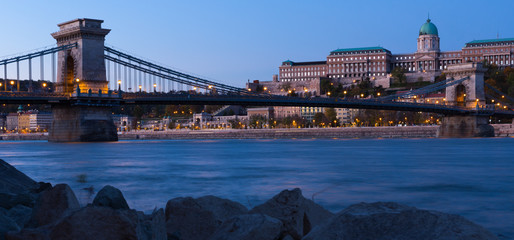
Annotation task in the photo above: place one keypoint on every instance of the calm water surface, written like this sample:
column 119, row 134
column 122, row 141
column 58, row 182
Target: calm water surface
column 470, row 177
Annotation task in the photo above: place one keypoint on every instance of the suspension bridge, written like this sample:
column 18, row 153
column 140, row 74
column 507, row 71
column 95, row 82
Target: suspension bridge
column 90, row 78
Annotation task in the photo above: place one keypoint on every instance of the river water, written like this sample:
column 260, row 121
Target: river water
column 470, row 177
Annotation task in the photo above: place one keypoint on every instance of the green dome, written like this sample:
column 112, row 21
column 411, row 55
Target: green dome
column 428, row 28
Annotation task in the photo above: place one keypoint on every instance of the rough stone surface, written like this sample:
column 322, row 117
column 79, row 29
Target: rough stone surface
column 249, row 227
column 20, row 214
column 222, row 209
column 6, row 225
column 151, row 227
column 298, row 214
column 13, row 181
column 53, row 204
column 394, row 221
column 112, row 197
column 96, row 223
column 186, row 219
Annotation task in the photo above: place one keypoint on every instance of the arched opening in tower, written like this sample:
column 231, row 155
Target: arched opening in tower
column 70, row 74
column 460, row 95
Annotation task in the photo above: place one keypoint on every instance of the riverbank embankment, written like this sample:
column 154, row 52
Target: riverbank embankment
column 501, row 130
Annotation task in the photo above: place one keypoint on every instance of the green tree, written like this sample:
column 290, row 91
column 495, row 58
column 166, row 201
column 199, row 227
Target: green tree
column 398, row 75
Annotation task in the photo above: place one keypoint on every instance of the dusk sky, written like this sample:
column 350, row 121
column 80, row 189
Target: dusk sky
column 233, row 41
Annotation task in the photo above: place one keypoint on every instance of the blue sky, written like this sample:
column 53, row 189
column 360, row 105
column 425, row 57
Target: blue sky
column 233, row 41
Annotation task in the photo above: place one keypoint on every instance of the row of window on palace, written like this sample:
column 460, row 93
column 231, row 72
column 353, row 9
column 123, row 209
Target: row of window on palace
column 487, row 50
column 356, row 58
column 357, row 52
column 491, row 44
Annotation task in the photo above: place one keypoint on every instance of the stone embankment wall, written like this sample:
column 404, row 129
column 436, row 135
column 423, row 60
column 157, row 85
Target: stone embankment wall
column 19, row 136
column 503, row 130
column 355, row 132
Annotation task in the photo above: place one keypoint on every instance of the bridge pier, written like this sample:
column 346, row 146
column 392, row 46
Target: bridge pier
column 465, row 127
column 82, row 124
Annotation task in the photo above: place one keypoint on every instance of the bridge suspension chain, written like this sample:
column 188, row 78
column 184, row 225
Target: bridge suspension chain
column 185, row 78
column 144, row 70
column 424, row 90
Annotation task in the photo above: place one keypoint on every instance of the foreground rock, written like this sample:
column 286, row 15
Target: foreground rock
column 13, row 181
column 53, row 204
column 298, row 214
column 250, row 227
column 394, row 221
column 188, row 218
column 112, row 197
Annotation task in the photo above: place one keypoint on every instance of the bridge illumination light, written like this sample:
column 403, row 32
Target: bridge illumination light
column 210, row 86
column 119, row 82
column 154, row 85
column 12, row 82
column 1, row 84
column 44, row 84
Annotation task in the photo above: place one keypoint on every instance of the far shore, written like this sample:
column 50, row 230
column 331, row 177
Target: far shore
column 501, row 130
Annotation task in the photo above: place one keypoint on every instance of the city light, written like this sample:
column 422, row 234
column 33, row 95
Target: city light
column 78, row 80
column 119, row 82
column 12, row 82
column 265, row 88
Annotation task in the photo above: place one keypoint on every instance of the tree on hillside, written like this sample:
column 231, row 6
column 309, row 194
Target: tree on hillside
column 398, row 75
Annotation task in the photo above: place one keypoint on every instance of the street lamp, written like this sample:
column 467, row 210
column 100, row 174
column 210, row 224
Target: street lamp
column 155, row 87
column 140, row 87
column 12, row 84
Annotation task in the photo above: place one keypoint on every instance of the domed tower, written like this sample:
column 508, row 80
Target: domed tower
column 428, row 39
column 427, row 55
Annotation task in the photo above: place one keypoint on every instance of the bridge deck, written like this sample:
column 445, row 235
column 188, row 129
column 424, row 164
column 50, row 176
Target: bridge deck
column 244, row 100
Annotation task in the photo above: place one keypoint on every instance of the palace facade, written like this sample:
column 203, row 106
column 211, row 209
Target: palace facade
column 350, row 65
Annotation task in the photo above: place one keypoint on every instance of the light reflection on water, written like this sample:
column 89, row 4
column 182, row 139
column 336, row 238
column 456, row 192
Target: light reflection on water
column 469, row 177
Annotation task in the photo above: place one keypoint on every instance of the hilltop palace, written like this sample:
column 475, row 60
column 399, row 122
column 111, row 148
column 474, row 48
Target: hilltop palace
column 350, row 65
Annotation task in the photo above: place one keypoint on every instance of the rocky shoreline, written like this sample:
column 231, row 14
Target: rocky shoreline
column 36, row 210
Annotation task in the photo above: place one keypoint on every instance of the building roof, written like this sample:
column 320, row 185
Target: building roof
column 491, row 40
column 428, row 28
column 360, row 49
column 304, row 63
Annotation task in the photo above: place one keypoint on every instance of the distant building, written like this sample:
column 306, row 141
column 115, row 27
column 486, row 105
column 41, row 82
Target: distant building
column 309, row 112
column 24, row 121
column 3, row 122
column 12, row 122
column 40, row 121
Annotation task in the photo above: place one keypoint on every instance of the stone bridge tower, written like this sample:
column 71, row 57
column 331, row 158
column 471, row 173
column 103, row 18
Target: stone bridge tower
column 83, row 65
column 469, row 93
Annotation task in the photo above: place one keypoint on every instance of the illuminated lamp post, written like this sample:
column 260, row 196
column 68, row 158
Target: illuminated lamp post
column 140, row 87
column 155, row 87
column 119, row 85
column 12, row 85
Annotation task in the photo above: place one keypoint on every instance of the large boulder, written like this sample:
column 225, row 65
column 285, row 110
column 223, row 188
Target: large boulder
column 222, row 209
column 53, row 204
column 298, row 214
column 14, row 181
column 20, row 214
column 187, row 220
column 394, row 221
column 110, row 196
column 6, row 225
column 96, row 223
column 101, row 223
column 151, row 227
column 249, row 227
